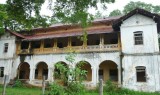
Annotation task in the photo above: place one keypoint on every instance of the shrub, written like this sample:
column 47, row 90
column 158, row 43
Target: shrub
column 75, row 88
column 56, row 89
column 18, row 83
column 110, row 86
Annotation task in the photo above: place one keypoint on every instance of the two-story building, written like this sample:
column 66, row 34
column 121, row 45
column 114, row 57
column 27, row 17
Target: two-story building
column 124, row 49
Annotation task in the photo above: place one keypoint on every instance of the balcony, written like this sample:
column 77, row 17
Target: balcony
column 95, row 43
column 94, row 48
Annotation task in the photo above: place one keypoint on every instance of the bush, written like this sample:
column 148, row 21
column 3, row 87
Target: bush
column 75, row 88
column 18, row 83
column 109, row 86
column 56, row 89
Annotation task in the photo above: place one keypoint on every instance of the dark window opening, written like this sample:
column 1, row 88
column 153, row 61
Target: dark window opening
column 76, row 41
column 73, row 43
column 48, row 43
column 24, row 45
column 45, row 73
column 1, row 71
column 114, row 41
column 36, row 74
column 97, row 42
column 60, row 45
column 141, row 74
column 93, row 40
column 113, row 75
column 36, row 44
column 138, row 38
column 5, row 47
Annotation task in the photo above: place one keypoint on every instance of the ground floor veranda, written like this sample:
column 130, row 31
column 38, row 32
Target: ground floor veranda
column 97, row 68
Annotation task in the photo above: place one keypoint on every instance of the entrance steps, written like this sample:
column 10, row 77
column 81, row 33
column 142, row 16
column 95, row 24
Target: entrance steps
column 38, row 82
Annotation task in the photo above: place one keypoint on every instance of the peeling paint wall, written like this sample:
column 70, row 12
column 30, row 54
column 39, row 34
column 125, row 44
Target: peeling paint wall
column 140, row 55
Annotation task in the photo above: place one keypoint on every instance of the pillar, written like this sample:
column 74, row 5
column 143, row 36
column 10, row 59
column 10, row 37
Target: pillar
column 50, row 74
column 119, row 76
column 32, row 74
column 55, row 43
column 119, row 41
column 94, row 75
column 42, row 45
column 97, row 74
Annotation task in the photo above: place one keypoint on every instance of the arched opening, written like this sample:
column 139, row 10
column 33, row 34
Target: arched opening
column 87, row 67
column 57, row 74
column 24, row 70
column 108, row 71
column 41, row 70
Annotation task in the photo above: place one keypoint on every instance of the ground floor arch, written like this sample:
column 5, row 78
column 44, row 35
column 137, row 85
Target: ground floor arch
column 84, row 65
column 57, row 73
column 24, row 71
column 108, row 70
column 41, row 70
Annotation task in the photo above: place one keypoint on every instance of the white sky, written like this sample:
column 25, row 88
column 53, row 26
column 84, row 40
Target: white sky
column 119, row 4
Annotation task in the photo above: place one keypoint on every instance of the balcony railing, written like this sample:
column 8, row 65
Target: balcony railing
column 92, row 48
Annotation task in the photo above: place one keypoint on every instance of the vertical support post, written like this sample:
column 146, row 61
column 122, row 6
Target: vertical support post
column 43, row 86
column 42, row 45
column 29, row 47
column 101, row 87
column 119, row 76
column 5, row 84
column 119, row 41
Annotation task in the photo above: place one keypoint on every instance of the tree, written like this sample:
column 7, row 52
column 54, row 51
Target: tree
column 98, row 15
column 149, row 7
column 25, row 14
column 115, row 13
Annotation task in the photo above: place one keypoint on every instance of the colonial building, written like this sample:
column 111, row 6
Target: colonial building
column 124, row 49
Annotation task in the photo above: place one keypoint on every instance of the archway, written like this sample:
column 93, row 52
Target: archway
column 86, row 66
column 57, row 71
column 24, row 70
column 41, row 70
column 108, row 71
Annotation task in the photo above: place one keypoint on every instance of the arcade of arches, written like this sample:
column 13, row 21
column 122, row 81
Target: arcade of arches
column 107, row 70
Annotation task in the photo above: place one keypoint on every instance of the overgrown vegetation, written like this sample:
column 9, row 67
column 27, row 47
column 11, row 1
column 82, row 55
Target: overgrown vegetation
column 69, row 78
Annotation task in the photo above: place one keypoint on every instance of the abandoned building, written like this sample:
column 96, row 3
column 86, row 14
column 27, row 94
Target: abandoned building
column 124, row 49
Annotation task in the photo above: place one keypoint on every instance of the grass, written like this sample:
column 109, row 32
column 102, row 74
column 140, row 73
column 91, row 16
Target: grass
column 37, row 91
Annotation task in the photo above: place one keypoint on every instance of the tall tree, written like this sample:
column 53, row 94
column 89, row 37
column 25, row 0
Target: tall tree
column 98, row 15
column 25, row 14
column 149, row 7
column 115, row 13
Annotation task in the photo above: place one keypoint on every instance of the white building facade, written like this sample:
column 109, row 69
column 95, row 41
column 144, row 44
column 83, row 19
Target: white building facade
column 129, row 55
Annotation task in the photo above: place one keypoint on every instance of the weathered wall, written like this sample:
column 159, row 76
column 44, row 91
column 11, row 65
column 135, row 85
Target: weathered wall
column 140, row 55
column 151, row 62
column 150, row 37
column 6, row 59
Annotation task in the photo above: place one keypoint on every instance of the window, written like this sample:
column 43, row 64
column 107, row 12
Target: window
column 141, row 73
column 1, row 71
column 138, row 38
column 5, row 47
column 113, row 74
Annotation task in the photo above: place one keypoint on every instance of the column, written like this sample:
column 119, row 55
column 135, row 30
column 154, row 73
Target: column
column 32, row 74
column 42, row 45
column 101, row 40
column 119, row 76
column 119, row 41
column 94, row 75
column 97, row 74
column 50, row 74
column 29, row 47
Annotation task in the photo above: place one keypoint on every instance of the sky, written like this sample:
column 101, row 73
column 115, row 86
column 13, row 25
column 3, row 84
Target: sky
column 119, row 4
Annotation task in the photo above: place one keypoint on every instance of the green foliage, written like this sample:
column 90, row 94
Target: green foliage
column 18, row 83
column 115, row 13
column 56, row 89
column 75, row 88
column 110, row 86
column 149, row 7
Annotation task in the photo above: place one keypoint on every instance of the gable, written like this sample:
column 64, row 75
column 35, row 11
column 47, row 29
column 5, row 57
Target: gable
column 137, row 20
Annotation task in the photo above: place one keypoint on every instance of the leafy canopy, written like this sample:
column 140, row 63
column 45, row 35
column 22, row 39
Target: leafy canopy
column 132, row 5
column 25, row 14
